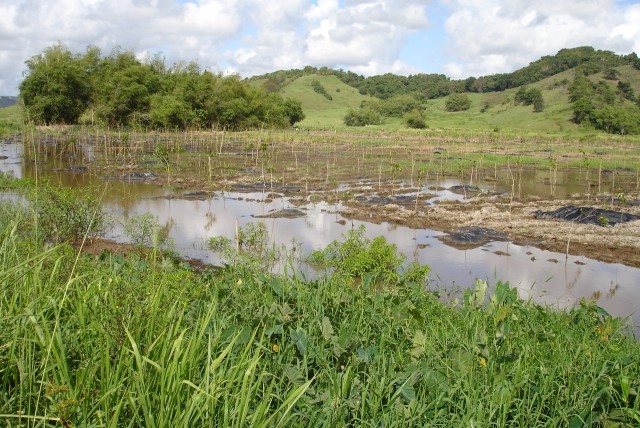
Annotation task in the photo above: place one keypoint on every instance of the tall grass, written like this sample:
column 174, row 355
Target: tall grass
column 127, row 341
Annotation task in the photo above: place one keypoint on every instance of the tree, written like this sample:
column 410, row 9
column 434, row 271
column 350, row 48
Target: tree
column 56, row 88
column 293, row 110
column 167, row 111
column 611, row 74
column 538, row 102
column 457, row 102
column 582, row 109
column 125, row 91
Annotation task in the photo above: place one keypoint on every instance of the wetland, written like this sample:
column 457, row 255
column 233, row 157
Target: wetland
column 465, row 205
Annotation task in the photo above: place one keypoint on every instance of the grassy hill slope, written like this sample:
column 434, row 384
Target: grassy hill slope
column 501, row 113
column 489, row 111
column 320, row 111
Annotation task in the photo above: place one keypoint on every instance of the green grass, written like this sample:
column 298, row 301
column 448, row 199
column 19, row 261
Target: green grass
column 10, row 120
column 501, row 113
column 142, row 340
column 321, row 112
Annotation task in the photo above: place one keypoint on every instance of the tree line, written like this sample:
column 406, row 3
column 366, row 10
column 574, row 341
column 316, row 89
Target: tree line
column 119, row 89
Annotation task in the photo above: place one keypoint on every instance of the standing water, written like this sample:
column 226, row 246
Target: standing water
column 545, row 277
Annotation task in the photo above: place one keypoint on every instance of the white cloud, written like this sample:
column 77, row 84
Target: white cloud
column 363, row 33
column 365, row 36
column 492, row 36
column 247, row 36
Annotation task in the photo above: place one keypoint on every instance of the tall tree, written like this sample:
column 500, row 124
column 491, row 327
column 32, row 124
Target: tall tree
column 56, row 88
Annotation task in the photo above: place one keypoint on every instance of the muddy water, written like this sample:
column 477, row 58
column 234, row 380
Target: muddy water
column 543, row 276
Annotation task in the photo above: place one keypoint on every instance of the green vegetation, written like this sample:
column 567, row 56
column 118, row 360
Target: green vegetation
column 144, row 340
column 369, row 260
column 457, row 102
column 600, row 105
column 590, row 60
column 319, row 111
column 362, row 117
column 10, row 120
column 317, row 86
column 60, row 214
column 528, row 97
column 395, row 106
column 119, row 90
column 415, row 119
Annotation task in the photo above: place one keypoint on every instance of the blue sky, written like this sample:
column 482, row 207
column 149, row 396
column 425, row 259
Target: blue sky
column 459, row 38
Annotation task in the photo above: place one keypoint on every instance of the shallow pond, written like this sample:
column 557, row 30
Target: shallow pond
column 543, row 276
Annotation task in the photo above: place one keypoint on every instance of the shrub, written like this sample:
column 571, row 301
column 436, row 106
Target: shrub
column 457, row 102
column 357, row 256
column 362, row 117
column 415, row 119
column 145, row 231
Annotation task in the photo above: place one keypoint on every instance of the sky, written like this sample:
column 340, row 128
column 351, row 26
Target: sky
column 458, row 38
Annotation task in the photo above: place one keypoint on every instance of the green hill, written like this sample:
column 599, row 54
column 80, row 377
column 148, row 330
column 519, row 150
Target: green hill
column 321, row 111
column 496, row 110
column 489, row 110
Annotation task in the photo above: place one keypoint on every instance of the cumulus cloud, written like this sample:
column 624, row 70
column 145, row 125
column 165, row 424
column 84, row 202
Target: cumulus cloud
column 493, row 36
column 245, row 36
column 365, row 35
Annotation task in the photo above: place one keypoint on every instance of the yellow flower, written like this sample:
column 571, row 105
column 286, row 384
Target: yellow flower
column 604, row 331
column 275, row 348
column 483, row 362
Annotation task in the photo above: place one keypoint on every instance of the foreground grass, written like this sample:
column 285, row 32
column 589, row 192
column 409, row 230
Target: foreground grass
column 141, row 340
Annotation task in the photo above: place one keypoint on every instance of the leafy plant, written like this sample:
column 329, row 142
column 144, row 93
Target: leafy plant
column 251, row 248
column 317, row 86
column 357, row 256
column 144, row 230
column 362, row 117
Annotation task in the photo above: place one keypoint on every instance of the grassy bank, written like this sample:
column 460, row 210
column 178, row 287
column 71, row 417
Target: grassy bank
column 144, row 340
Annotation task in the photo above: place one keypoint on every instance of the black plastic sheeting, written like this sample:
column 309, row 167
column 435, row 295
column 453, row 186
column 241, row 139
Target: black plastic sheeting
column 472, row 237
column 587, row 215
